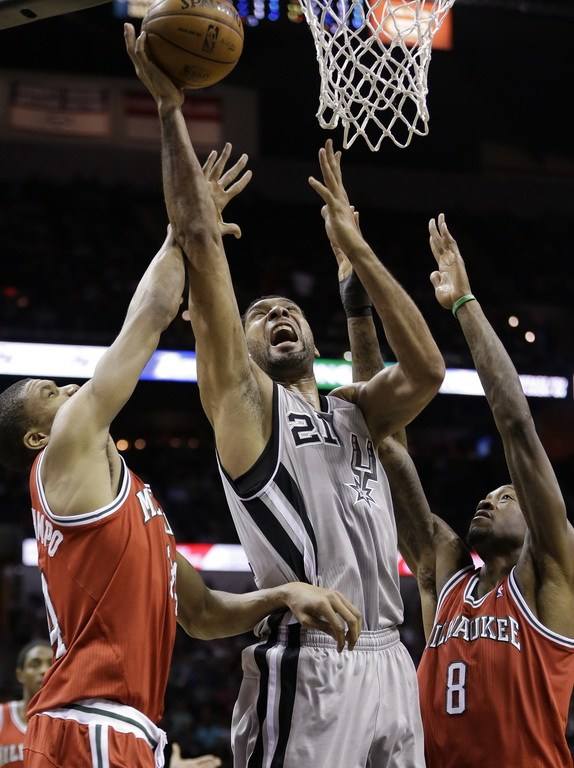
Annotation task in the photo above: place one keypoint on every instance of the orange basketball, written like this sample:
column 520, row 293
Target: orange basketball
column 196, row 42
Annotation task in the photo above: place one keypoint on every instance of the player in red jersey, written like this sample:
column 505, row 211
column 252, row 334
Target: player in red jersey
column 108, row 560
column 32, row 664
column 497, row 673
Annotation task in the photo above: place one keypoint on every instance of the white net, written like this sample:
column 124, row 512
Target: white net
column 373, row 59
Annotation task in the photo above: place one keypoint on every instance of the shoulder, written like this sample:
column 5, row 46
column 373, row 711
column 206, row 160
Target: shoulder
column 349, row 394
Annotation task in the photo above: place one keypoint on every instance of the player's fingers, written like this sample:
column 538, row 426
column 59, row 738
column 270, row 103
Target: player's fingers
column 336, row 632
column 338, row 171
column 328, row 175
column 130, row 37
column 230, row 175
column 350, row 619
column 436, row 279
column 222, row 161
column 433, row 230
column 321, row 190
column 355, row 611
column 335, row 622
column 240, row 185
column 231, row 229
column 209, row 163
column 207, row 761
column 140, row 45
column 445, row 232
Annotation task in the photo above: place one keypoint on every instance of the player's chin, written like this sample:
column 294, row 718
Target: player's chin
column 480, row 530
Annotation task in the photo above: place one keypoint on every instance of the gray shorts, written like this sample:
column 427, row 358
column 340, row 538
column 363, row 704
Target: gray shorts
column 304, row 705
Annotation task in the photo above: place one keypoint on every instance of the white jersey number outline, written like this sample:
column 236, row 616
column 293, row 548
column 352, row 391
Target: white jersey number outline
column 456, row 688
column 56, row 639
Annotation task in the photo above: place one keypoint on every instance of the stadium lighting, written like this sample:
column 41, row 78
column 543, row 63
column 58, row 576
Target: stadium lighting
column 72, row 361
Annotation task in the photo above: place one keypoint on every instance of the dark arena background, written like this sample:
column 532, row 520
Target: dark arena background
column 82, row 213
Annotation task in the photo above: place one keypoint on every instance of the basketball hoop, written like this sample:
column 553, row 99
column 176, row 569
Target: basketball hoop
column 373, row 59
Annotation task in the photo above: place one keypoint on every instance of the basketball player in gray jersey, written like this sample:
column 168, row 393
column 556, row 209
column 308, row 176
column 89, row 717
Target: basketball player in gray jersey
column 306, row 490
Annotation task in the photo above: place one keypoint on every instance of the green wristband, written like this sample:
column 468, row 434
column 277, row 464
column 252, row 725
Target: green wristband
column 463, row 300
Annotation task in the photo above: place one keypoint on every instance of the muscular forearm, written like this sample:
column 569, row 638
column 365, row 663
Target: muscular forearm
column 365, row 348
column 227, row 614
column 367, row 356
column 189, row 203
column 159, row 291
column 405, row 328
column 412, row 511
column 494, row 366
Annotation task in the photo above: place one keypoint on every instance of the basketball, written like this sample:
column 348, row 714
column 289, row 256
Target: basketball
column 196, row 42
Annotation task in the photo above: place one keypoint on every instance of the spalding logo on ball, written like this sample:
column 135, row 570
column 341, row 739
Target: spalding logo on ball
column 196, row 42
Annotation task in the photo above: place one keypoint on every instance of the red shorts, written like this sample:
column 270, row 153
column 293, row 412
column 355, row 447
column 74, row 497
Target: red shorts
column 57, row 743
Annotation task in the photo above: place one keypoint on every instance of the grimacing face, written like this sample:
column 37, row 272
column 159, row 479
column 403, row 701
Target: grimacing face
column 498, row 525
column 31, row 675
column 43, row 399
column 279, row 339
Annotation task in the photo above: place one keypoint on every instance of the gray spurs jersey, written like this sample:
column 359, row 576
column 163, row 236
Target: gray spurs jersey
column 316, row 507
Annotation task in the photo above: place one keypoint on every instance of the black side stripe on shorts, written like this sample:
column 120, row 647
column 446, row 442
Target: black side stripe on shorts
column 277, row 536
column 260, row 653
column 99, row 745
column 289, row 664
column 292, row 493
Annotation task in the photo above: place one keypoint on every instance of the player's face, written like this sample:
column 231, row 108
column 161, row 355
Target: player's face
column 498, row 525
column 44, row 398
column 37, row 662
column 279, row 339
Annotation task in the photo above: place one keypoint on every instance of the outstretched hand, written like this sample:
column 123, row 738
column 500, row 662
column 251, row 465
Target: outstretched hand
column 338, row 213
column 326, row 610
column 165, row 92
column 222, row 186
column 450, row 281
column 177, row 761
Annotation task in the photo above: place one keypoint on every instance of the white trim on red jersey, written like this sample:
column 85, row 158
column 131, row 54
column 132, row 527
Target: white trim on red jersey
column 450, row 584
column 89, row 517
column 535, row 623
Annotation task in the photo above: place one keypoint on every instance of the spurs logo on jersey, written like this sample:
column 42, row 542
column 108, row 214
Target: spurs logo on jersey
column 502, row 629
column 364, row 473
column 302, row 510
column 46, row 535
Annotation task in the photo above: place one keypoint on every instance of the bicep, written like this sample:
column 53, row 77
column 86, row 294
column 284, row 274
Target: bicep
column 391, row 400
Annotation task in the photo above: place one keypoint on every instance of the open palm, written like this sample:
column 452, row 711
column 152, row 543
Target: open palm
column 450, row 280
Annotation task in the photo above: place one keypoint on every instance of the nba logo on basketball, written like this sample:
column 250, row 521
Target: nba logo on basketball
column 210, row 38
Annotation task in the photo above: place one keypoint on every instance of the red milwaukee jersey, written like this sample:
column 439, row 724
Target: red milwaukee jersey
column 109, row 582
column 495, row 683
column 12, row 732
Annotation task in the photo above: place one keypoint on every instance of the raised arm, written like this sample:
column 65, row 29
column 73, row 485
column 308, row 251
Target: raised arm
column 236, row 395
column 208, row 614
column 392, row 398
column 83, row 422
column 551, row 537
column 431, row 549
